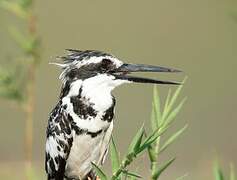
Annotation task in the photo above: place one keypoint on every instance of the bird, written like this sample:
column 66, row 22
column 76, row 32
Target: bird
column 80, row 125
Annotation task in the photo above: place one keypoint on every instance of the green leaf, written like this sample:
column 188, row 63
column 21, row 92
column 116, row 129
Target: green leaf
column 14, row 8
column 131, row 178
column 232, row 172
column 12, row 94
column 27, row 44
column 99, row 172
column 157, row 174
column 8, row 86
column 173, row 114
column 154, row 124
column 152, row 153
column 149, row 140
column 114, row 156
column 25, row 4
column 172, row 101
column 19, row 38
column 155, row 121
column 172, row 138
column 31, row 173
column 136, row 142
column 131, row 174
column 157, row 107
column 218, row 174
column 167, row 100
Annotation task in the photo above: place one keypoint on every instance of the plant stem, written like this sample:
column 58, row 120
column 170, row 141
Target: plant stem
column 123, row 165
column 155, row 162
column 30, row 96
column 29, row 110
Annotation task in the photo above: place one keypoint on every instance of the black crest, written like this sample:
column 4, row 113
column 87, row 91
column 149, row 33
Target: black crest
column 79, row 55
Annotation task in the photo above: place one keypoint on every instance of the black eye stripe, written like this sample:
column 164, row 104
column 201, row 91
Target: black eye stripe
column 90, row 70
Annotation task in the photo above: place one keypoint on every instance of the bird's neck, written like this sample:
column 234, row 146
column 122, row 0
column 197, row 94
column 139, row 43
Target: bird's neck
column 99, row 97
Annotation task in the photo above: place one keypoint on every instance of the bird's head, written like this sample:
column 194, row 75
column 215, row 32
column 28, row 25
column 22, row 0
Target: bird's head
column 98, row 68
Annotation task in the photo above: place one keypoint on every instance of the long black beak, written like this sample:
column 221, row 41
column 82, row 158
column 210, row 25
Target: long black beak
column 122, row 71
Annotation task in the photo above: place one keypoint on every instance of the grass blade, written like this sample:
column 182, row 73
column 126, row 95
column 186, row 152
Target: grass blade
column 172, row 138
column 136, row 142
column 152, row 153
column 99, row 172
column 232, row 172
column 157, row 107
column 173, row 114
column 167, row 100
column 132, row 174
column 149, row 140
column 14, row 8
column 22, row 41
column 131, row 178
column 218, row 174
column 173, row 99
column 157, row 174
column 154, row 123
column 114, row 156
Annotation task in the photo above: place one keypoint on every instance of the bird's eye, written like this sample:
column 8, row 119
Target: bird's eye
column 105, row 64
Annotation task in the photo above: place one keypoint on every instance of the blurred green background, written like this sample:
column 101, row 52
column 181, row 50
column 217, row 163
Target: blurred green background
column 199, row 37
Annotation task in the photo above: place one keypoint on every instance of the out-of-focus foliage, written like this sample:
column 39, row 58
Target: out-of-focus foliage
column 10, row 83
column 219, row 174
column 9, row 87
column 18, row 84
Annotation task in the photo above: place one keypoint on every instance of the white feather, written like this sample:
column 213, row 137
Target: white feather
column 98, row 90
column 86, row 150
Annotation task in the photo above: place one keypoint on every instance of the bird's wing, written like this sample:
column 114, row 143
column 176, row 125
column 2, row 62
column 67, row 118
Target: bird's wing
column 58, row 143
column 105, row 144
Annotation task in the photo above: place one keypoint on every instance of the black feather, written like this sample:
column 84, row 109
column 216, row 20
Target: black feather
column 79, row 55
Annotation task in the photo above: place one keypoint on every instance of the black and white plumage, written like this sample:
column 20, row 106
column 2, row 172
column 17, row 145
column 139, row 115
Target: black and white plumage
column 80, row 126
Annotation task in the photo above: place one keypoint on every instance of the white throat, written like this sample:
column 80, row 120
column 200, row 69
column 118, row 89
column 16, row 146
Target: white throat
column 98, row 90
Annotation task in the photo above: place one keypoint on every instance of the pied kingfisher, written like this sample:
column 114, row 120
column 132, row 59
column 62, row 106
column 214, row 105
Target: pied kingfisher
column 80, row 126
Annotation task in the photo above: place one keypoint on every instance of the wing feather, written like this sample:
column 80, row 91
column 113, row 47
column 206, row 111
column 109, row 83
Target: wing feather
column 105, row 144
column 58, row 143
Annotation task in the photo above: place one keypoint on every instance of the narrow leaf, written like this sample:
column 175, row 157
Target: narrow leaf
column 173, row 99
column 162, row 168
column 19, row 38
column 172, row 138
column 152, row 153
column 232, row 172
column 156, row 106
column 9, row 87
column 154, row 123
column 14, row 8
column 173, row 114
column 218, row 174
column 154, row 133
column 136, row 142
column 167, row 100
column 151, row 139
column 114, row 156
column 31, row 173
column 154, row 127
column 99, row 172
column 131, row 178
column 132, row 174
column 25, row 4
column 26, row 43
